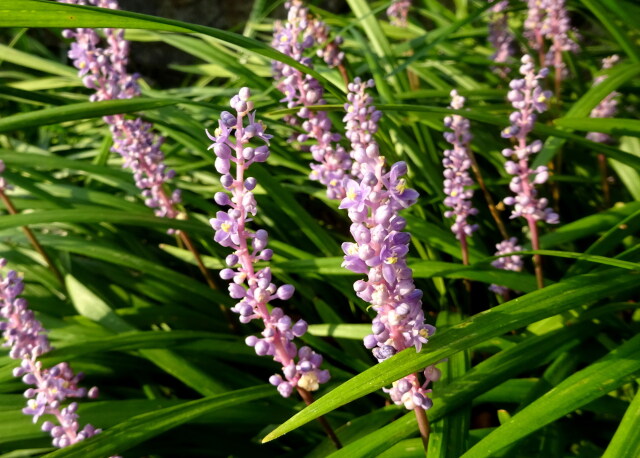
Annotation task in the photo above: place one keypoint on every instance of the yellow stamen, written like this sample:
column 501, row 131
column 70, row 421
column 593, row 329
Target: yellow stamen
column 391, row 260
column 225, row 227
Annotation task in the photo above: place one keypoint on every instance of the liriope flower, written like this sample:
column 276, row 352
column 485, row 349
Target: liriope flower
column 501, row 37
column 528, row 98
column 398, row 12
column 548, row 19
column 104, row 69
column 608, row 107
column 513, row 262
column 235, row 147
column 295, row 37
column 51, row 387
column 380, row 249
column 457, row 180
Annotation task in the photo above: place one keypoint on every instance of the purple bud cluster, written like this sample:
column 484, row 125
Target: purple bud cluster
column 608, row 107
column 398, row 12
column 234, row 143
column 501, row 37
column 456, row 164
column 104, row 69
column 380, row 249
column 361, row 122
column 513, row 262
column 528, row 98
column 294, row 38
column 27, row 340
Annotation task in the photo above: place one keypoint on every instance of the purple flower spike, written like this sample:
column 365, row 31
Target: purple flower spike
column 513, row 262
column 294, row 38
column 501, row 38
column 254, row 288
column 104, row 69
column 548, row 19
column 27, row 341
column 380, row 249
column 608, row 107
column 456, row 164
column 398, row 12
column 528, row 98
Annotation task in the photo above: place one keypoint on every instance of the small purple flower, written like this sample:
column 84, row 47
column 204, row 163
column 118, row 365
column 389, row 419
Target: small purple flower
column 27, row 341
column 226, row 229
column 397, row 186
column 252, row 287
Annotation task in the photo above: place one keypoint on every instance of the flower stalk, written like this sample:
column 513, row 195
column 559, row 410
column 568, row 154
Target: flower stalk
column 457, row 180
column 380, row 249
column 295, row 37
column 236, row 147
column 528, row 98
column 27, row 341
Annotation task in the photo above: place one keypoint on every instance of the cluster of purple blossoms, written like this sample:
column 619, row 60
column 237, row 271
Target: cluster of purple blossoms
column 104, row 69
column 549, row 19
column 501, row 37
column 380, row 251
column 361, row 122
column 398, row 12
column 528, row 98
column 608, row 107
column 533, row 23
column 294, row 38
column 456, row 164
column 26, row 338
column 513, row 262
column 555, row 28
column 232, row 143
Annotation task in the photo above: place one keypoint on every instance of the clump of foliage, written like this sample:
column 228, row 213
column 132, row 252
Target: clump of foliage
column 446, row 193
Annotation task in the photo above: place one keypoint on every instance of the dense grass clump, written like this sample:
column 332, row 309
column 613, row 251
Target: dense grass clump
column 389, row 229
